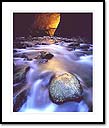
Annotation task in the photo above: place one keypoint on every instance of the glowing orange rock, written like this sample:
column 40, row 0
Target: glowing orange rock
column 46, row 23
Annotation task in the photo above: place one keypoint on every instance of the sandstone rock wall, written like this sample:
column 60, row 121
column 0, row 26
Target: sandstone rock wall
column 45, row 24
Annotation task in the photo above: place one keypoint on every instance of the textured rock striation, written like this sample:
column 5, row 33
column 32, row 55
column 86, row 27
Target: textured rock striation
column 45, row 24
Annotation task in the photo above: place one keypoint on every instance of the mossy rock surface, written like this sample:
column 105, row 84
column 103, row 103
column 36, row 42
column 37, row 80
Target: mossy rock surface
column 65, row 87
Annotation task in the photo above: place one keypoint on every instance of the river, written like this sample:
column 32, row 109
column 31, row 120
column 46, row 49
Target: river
column 77, row 61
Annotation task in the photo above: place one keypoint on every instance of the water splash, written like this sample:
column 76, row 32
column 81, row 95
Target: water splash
column 86, row 59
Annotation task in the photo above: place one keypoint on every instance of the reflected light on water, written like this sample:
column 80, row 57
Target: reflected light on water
column 54, row 65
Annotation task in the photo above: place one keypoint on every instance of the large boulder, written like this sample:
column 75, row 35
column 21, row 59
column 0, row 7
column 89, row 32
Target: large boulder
column 65, row 87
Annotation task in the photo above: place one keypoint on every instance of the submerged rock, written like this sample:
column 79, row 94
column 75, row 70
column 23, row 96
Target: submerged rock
column 65, row 87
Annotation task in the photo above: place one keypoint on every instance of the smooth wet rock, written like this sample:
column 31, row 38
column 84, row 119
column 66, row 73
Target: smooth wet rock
column 80, row 53
column 20, row 73
column 17, row 87
column 70, row 45
column 43, row 55
column 65, row 87
column 84, row 46
column 19, row 100
column 46, row 55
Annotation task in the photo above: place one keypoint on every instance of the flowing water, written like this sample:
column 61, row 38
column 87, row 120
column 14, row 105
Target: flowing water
column 39, row 76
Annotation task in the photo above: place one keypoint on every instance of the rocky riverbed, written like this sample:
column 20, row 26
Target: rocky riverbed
column 52, row 74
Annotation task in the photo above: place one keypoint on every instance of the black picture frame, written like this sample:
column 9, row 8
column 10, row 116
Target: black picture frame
column 104, row 84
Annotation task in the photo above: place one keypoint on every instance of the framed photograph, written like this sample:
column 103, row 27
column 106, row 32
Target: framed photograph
column 53, row 62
